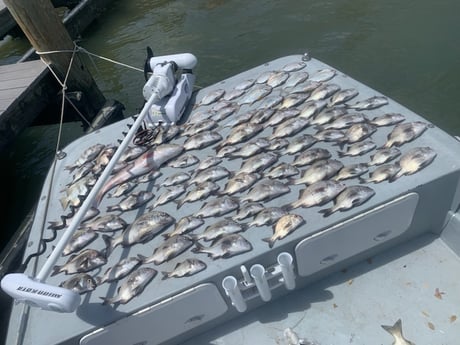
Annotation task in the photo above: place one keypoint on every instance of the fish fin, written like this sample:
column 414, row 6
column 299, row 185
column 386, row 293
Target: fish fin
column 270, row 241
column 56, row 270
column 198, row 248
column 106, row 300
column 98, row 280
column 326, row 212
column 287, row 207
column 395, row 330
column 341, row 154
column 113, row 208
column 165, row 275
column 166, row 236
column 108, row 240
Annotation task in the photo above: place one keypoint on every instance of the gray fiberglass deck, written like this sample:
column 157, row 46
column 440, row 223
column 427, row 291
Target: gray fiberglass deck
column 403, row 220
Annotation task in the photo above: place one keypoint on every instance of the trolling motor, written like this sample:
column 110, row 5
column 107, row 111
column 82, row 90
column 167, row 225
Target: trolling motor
column 174, row 74
column 163, row 93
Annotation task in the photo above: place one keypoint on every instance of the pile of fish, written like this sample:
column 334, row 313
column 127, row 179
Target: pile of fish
column 249, row 157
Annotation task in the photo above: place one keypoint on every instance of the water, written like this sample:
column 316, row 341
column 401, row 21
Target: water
column 409, row 51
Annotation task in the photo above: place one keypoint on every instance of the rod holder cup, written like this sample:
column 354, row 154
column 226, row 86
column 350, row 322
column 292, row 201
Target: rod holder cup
column 258, row 274
column 230, row 285
column 285, row 261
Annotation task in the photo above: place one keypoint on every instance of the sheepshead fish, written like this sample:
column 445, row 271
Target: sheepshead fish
column 212, row 97
column 289, row 128
column 320, row 170
column 357, row 132
column 85, row 261
column 294, row 66
column 223, row 227
column 208, row 162
column 312, row 108
column 79, row 240
column 388, row 119
column 247, row 210
column 414, row 160
column 267, row 216
column 277, row 78
column 324, row 91
column 119, row 271
column 346, row 121
column 350, row 197
column 225, row 247
column 142, row 230
column 184, row 226
column 317, row 194
column 133, row 286
column 323, row 75
column 218, row 207
column 201, row 191
column 384, row 155
column 266, row 190
column 240, row 182
column 357, row 149
column 351, row 171
column 105, row 223
column 170, row 248
column 300, row 143
column 241, row 133
column 258, row 162
column 184, row 161
column 328, row 115
column 87, row 156
column 132, row 201
column 293, row 100
column 405, row 132
column 213, row 174
column 282, row 170
column 79, row 283
column 396, row 332
column 370, row 103
column 201, row 140
column 295, row 79
column 283, row 227
column 310, row 156
column 175, row 179
column 77, row 192
column 169, row 195
column 254, row 94
column 186, row 268
column 250, row 149
column 382, row 173
column 342, row 96
column 195, row 128
column 148, row 161
column 281, row 116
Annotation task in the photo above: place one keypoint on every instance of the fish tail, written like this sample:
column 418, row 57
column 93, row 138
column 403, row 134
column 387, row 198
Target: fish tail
column 326, row 212
column 113, row 208
column 106, row 300
column 270, row 241
column 165, row 275
column 98, row 281
column 56, row 270
column 109, row 245
column 341, row 154
column 289, row 207
column 395, row 330
column 198, row 248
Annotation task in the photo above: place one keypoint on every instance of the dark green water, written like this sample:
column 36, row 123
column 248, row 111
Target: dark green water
column 408, row 50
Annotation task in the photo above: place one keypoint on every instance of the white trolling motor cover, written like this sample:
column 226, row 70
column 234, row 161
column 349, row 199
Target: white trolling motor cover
column 48, row 297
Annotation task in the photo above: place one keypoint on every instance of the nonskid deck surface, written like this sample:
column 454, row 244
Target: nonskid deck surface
column 415, row 282
column 52, row 206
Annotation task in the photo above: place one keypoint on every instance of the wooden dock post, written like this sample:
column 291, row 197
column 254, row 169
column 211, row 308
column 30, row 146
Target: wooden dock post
column 45, row 31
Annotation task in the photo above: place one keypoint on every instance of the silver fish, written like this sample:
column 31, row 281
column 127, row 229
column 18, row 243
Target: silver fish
column 225, row 247
column 277, row 78
column 79, row 283
column 247, row 210
column 133, row 286
column 175, row 179
column 351, row 171
column 283, row 227
column 239, row 119
column 233, row 94
column 414, row 160
column 223, row 113
column 132, row 201
column 250, row 149
column 289, row 128
column 312, row 108
column 330, row 135
column 305, row 87
column 245, row 84
column 119, row 271
column 357, row 132
column 382, row 173
column 281, row 116
column 323, row 75
column 292, row 338
column 278, row 144
column 221, row 228
column 213, row 174
column 346, row 121
column 258, row 162
column 384, row 155
column 132, row 152
column 324, row 91
column 87, row 156
column 267, row 216
column 212, row 97
column 270, row 102
column 266, row 190
column 240, row 182
column 342, row 96
column 184, row 226
column 310, row 156
column 170, row 248
column 79, row 240
column 293, row 66
column 396, row 332
column 328, row 115
column 241, row 133
column 200, row 115
column 81, row 172
column 202, row 191
column 145, row 163
column 103, row 159
column 264, row 76
column 166, row 134
column 388, row 119
column 405, row 132
column 357, row 149
column 186, row 268
column 201, row 140
column 226, row 151
column 370, row 103
column 77, row 192
column 208, row 162
column 293, row 100
column 317, row 194
column 142, row 230
column 295, row 79
column 105, row 223
column 149, row 177
column 85, row 261
column 184, row 161
column 170, row 194
column 300, row 143
column 262, row 115
column 195, row 128
column 282, row 170
column 221, row 104
column 218, row 207
column 350, row 197
column 255, row 94
column 320, row 170
column 123, row 189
